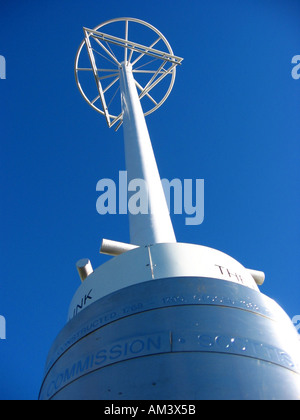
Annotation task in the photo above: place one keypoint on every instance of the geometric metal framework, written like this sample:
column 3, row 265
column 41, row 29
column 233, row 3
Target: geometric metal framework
column 100, row 57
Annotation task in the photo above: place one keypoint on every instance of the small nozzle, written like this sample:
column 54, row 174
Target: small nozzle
column 84, row 268
column 114, row 248
column 258, row 276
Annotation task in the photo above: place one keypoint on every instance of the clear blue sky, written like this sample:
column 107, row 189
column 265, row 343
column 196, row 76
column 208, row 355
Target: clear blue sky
column 231, row 119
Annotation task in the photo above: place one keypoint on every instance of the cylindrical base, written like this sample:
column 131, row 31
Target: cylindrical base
column 177, row 339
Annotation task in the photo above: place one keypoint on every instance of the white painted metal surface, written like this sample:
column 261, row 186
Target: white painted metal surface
column 84, row 268
column 115, row 248
column 151, row 224
column 155, row 225
column 259, row 276
column 157, row 262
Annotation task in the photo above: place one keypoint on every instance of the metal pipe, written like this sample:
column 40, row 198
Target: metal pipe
column 153, row 226
column 259, row 276
column 84, row 268
column 115, row 248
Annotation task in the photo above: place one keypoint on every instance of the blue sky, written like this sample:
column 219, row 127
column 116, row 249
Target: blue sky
column 231, row 119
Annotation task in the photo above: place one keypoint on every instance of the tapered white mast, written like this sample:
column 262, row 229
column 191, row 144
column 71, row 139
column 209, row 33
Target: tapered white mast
column 152, row 224
column 155, row 226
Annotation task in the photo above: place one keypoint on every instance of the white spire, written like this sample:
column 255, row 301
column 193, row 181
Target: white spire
column 152, row 224
column 155, row 226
